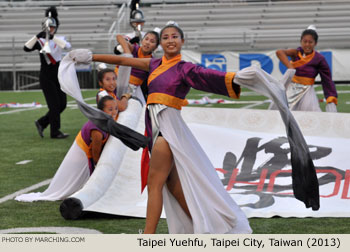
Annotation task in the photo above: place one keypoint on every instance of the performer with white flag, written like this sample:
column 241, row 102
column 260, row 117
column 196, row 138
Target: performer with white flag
column 114, row 150
column 195, row 200
column 308, row 63
column 79, row 162
column 69, row 84
column 149, row 43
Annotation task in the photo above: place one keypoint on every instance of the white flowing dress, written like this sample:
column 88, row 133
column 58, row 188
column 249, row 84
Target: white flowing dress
column 69, row 178
column 301, row 97
column 212, row 208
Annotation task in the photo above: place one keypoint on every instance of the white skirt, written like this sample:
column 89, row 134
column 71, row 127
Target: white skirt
column 69, row 178
column 137, row 92
column 212, row 208
column 302, row 97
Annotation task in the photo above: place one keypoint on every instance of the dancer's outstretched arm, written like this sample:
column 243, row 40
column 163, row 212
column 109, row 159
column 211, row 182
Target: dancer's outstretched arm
column 85, row 56
column 142, row 64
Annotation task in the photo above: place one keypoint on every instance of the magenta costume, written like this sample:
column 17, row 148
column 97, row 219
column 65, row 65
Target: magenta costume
column 212, row 208
column 316, row 65
column 170, row 81
column 137, row 79
column 137, row 76
column 300, row 93
column 83, row 139
column 73, row 172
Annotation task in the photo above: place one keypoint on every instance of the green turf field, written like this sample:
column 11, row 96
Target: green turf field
column 20, row 141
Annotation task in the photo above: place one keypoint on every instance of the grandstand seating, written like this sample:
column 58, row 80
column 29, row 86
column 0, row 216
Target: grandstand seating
column 246, row 26
column 84, row 25
column 210, row 26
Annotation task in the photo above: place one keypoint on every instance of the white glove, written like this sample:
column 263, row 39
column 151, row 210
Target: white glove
column 60, row 42
column 30, row 43
column 81, row 56
column 120, row 48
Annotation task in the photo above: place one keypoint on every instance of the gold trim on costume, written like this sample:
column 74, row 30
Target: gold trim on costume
column 166, row 64
column 303, row 80
column 303, row 60
column 229, row 82
column 168, row 100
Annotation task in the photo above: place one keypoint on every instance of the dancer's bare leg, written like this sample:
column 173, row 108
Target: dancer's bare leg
column 161, row 164
column 175, row 188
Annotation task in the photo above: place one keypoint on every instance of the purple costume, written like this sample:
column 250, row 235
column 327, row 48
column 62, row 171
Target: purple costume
column 137, row 76
column 170, row 80
column 307, row 68
column 83, row 139
column 211, row 207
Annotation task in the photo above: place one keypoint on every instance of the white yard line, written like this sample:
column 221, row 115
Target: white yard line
column 339, row 92
column 242, row 102
column 20, row 110
column 86, row 99
column 25, row 190
column 70, row 104
column 255, row 104
column 24, row 162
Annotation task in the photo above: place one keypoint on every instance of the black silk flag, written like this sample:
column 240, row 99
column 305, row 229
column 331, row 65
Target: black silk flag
column 304, row 178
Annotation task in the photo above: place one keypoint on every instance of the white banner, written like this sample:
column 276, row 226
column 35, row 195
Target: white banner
column 252, row 157
column 251, row 154
column 337, row 60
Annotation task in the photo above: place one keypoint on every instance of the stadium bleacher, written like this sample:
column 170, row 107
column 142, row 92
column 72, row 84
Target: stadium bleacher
column 84, row 25
column 210, row 26
column 243, row 26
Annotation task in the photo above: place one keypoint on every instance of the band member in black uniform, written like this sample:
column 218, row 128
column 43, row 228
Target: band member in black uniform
column 50, row 47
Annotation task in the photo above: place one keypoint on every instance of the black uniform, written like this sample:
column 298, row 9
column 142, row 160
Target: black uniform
column 56, row 99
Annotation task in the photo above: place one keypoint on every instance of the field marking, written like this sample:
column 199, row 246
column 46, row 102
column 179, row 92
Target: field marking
column 70, row 104
column 338, row 91
column 256, row 104
column 24, row 162
column 20, row 110
column 86, row 99
column 56, row 230
column 25, row 190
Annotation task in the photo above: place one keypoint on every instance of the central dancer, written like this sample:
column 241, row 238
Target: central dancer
column 180, row 174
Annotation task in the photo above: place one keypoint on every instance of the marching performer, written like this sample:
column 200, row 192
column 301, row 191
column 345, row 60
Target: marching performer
column 50, row 47
column 149, row 43
column 79, row 162
column 137, row 21
column 108, row 86
column 194, row 197
column 180, row 175
column 308, row 64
